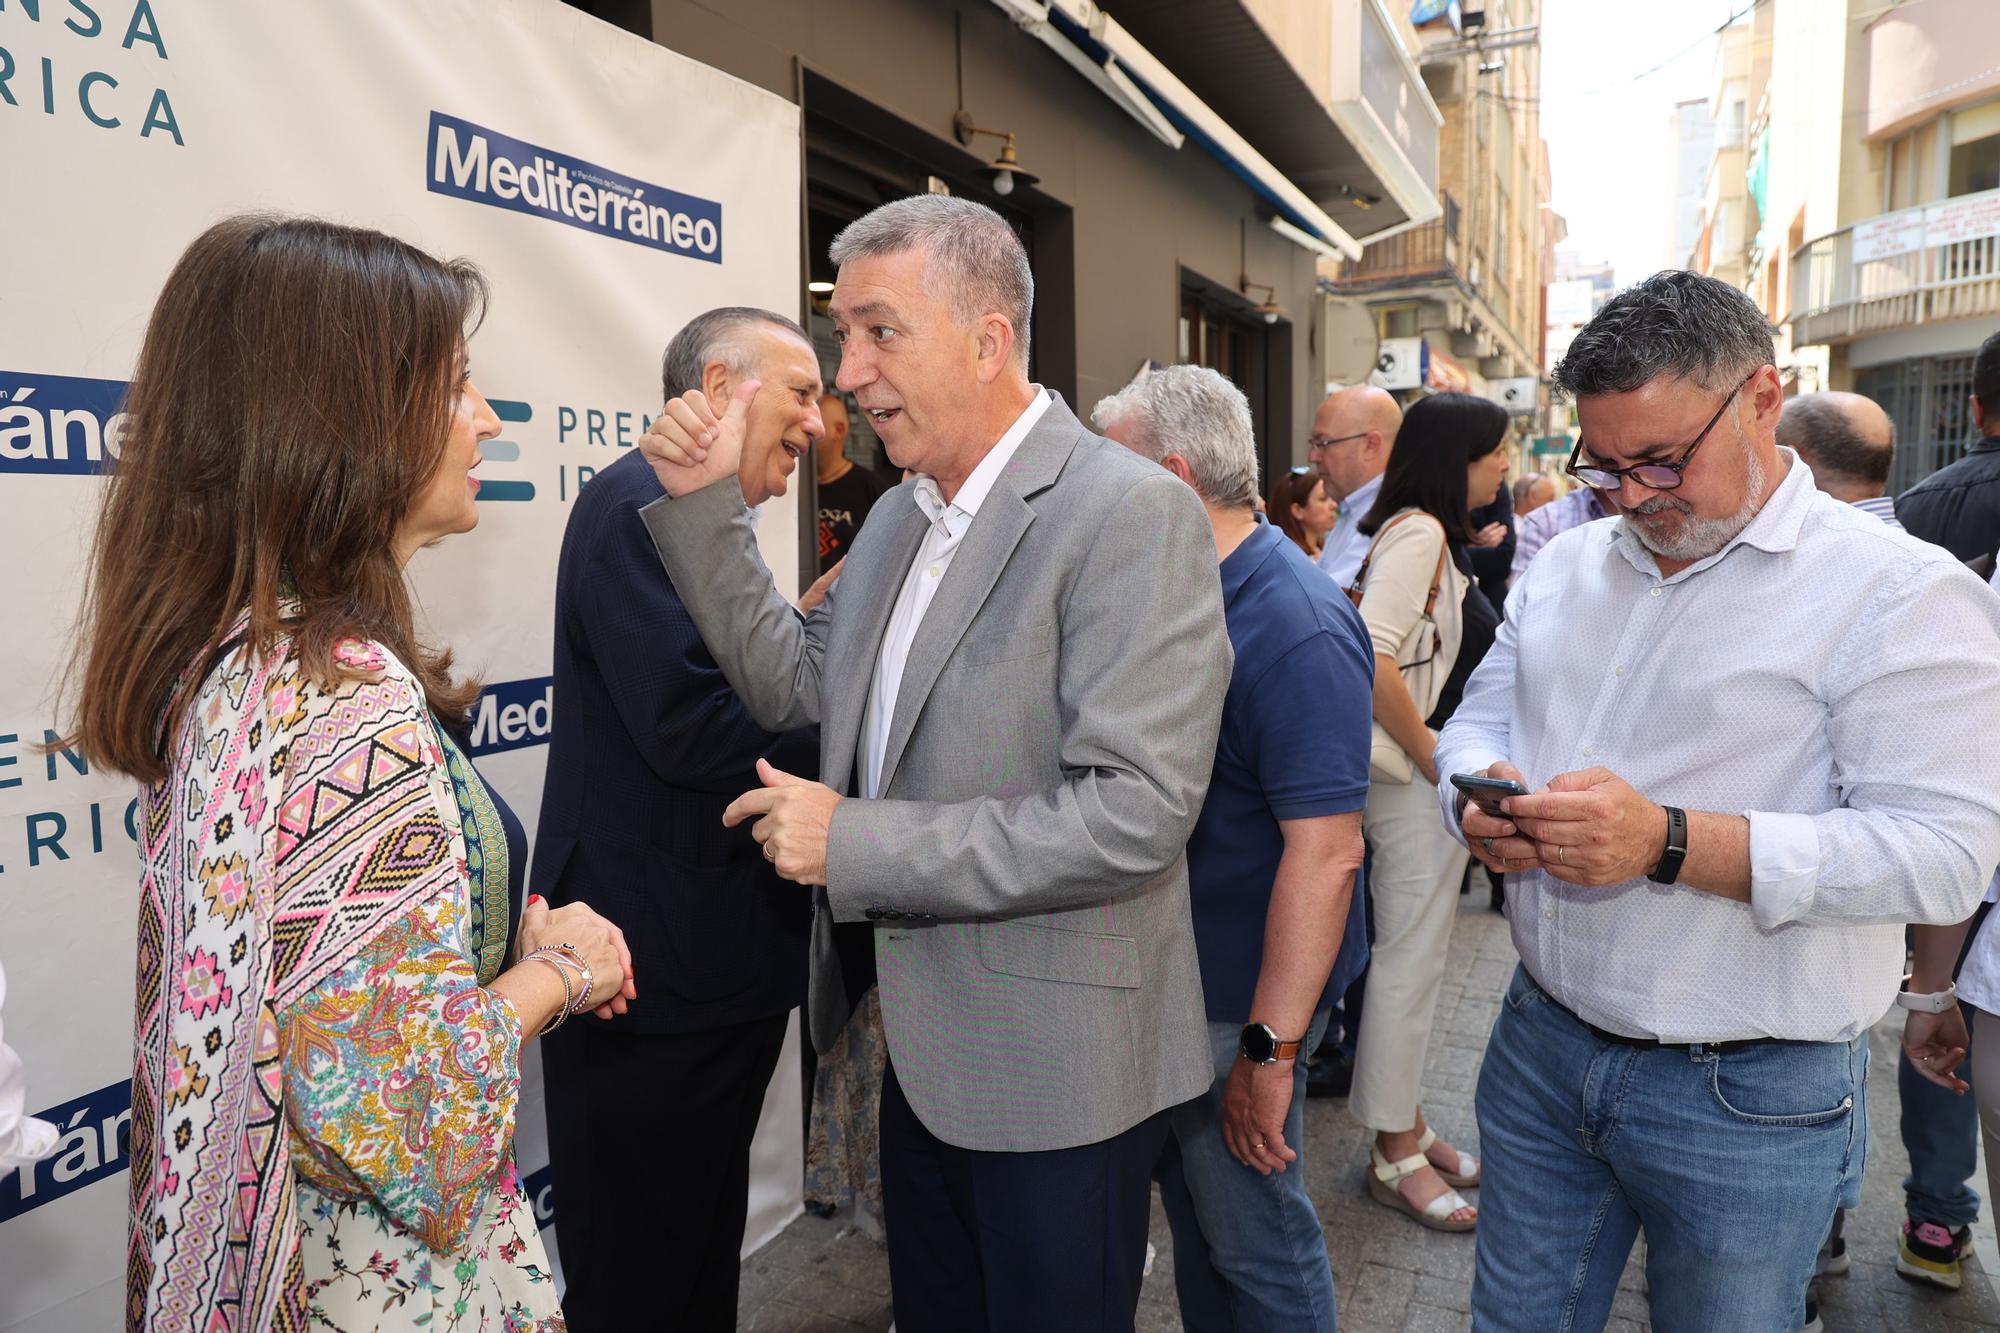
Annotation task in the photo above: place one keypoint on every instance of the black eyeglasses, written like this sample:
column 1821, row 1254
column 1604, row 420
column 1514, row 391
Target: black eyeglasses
column 1328, row 441
column 1653, row 476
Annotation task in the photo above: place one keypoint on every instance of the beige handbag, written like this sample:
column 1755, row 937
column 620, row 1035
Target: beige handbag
column 1388, row 761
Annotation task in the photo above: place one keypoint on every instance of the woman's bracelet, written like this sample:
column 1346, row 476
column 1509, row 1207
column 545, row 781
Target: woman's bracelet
column 588, row 979
column 569, row 994
column 563, row 957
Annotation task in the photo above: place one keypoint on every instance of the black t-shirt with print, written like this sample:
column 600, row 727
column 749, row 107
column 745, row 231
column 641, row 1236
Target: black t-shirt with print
column 843, row 506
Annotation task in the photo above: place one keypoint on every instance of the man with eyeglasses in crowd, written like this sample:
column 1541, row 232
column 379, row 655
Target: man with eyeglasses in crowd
column 1757, row 726
column 1353, row 432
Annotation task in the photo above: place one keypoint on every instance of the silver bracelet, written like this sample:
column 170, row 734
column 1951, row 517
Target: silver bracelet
column 569, row 996
column 588, row 979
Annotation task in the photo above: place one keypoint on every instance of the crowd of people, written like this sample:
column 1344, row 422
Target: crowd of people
column 1095, row 786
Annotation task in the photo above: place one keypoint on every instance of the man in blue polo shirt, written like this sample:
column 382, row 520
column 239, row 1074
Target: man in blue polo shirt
column 1271, row 874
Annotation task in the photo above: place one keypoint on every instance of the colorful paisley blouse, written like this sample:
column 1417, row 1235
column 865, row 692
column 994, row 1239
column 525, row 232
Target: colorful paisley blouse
column 323, row 1105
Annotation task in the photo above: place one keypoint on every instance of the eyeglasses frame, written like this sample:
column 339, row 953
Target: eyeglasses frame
column 1678, row 467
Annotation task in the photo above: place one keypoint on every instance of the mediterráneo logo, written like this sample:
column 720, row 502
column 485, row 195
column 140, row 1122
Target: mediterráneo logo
column 58, row 423
column 511, row 714
column 468, row 161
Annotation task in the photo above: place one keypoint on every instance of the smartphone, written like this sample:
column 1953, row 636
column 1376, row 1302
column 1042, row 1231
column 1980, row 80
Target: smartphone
column 1487, row 793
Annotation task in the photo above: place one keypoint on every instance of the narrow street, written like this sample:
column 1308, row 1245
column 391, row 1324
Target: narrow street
column 1391, row 1276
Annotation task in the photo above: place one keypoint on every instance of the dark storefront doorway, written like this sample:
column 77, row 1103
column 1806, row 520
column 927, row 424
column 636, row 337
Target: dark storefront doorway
column 859, row 156
column 1218, row 330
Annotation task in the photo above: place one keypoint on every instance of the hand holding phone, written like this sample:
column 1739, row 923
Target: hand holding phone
column 1487, row 793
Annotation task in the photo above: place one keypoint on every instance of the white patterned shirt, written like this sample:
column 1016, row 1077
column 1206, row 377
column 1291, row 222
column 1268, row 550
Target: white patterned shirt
column 1836, row 681
column 950, row 521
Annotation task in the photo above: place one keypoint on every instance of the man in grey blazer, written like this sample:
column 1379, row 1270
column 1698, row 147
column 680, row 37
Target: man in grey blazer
column 1018, row 680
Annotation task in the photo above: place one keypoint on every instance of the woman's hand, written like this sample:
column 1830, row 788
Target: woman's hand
column 600, row 944
column 1935, row 1044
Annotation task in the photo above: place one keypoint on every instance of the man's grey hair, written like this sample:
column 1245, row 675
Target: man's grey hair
column 1523, row 484
column 1819, row 429
column 1675, row 324
column 721, row 335
column 1197, row 413
column 972, row 256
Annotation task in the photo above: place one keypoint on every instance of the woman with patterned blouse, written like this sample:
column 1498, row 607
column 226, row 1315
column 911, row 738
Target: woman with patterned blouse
column 328, row 1027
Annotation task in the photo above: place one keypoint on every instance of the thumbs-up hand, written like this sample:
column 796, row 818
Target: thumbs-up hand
column 690, row 447
column 795, row 816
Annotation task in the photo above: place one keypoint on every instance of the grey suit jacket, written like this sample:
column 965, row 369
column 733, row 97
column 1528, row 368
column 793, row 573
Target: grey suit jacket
column 1050, row 748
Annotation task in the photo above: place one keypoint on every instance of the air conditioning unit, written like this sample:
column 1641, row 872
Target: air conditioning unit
column 1519, row 396
column 1399, row 364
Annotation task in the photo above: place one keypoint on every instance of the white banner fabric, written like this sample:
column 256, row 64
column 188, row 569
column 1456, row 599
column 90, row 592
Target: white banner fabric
column 609, row 188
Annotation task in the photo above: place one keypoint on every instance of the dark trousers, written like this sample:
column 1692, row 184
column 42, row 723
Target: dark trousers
column 649, row 1144
column 1014, row 1242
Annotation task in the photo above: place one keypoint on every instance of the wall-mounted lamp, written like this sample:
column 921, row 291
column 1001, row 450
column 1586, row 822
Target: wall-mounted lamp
column 1359, row 198
column 1005, row 170
column 1268, row 310
column 819, row 288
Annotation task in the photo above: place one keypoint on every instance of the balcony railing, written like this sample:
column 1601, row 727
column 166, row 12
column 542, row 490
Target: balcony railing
column 1836, row 300
column 1419, row 252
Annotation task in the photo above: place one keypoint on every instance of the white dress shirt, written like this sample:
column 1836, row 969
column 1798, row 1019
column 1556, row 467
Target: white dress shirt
column 950, row 521
column 1345, row 546
column 23, row 1138
column 1833, row 679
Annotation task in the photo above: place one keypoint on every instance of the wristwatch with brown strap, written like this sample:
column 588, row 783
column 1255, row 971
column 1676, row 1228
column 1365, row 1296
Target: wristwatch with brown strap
column 1261, row 1046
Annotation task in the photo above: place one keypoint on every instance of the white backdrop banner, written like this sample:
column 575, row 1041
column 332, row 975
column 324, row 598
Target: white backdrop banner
column 609, row 188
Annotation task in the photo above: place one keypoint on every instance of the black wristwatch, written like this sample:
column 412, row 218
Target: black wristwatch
column 1669, row 868
column 1261, row 1046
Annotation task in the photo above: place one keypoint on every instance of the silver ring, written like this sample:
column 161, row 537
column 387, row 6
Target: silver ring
column 1487, row 843
column 770, row 852
column 1925, row 1058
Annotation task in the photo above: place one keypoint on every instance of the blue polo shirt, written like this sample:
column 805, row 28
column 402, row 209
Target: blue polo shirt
column 1294, row 745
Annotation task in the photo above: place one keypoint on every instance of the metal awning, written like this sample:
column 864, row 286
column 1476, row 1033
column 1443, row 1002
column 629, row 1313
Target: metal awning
column 1094, row 44
column 1370, row 133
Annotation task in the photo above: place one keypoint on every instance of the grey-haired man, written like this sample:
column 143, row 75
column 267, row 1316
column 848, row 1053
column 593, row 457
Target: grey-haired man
column 1758, row 727
column 1271, row 871
column 1018, row 677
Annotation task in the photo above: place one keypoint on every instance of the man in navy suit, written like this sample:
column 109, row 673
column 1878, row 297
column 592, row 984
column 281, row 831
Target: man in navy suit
column 651, row 1114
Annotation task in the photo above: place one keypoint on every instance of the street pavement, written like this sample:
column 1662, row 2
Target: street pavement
column 1390, row 1275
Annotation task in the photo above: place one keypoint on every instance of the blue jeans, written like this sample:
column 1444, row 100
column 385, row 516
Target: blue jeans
column 1248, row 1250
column 1733, row 1163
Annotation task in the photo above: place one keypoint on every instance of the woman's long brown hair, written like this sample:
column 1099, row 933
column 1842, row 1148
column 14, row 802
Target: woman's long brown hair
column 1291, row 488
column 293, row 396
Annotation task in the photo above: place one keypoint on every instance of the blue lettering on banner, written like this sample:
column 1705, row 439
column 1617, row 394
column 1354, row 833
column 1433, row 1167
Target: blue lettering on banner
column 59, row 423
column 471, row 162
column 512, row 714
column 41, row 83
column 541, row 1191
column 95, row 1142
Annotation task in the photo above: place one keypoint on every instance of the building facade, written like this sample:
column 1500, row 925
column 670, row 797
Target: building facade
column 1458, row 301
column 1871, row 168
column 1182, row 169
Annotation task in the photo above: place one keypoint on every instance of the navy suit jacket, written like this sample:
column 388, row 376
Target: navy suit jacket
column 649, row 746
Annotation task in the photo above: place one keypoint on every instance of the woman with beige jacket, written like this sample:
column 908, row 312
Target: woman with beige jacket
column 1412, row 591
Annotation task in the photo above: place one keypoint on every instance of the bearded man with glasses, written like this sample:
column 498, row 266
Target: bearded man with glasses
column 1756, row 726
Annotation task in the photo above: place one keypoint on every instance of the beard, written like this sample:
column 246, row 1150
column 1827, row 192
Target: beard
column 1698, row 538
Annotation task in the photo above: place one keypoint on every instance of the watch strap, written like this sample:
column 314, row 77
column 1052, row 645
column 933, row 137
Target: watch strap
column 1934, row 1003
column 1280, row 1048
column 1669, row 868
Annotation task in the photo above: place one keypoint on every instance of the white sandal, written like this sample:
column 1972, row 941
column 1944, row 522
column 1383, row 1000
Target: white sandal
column 1467, row 1175
column 1436, row 1214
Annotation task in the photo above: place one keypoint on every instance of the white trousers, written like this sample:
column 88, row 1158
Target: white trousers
column 1415, row 868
